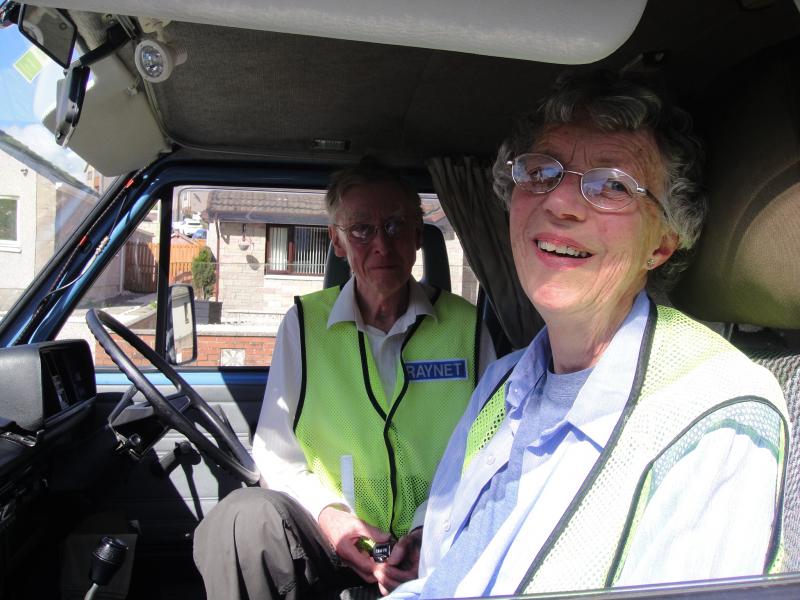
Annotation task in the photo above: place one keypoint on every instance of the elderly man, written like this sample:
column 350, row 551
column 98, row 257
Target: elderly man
column 366, row 384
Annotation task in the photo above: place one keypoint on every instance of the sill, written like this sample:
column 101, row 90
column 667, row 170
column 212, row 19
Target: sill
column 10, row 247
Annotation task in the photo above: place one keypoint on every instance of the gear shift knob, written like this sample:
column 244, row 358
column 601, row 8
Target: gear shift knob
column 107, row 558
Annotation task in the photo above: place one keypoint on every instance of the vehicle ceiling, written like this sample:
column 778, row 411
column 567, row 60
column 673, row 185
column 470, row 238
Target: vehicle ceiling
column 272, row 93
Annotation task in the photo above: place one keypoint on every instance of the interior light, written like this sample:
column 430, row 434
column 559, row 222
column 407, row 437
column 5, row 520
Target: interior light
column 155, row 60
column 330, row 144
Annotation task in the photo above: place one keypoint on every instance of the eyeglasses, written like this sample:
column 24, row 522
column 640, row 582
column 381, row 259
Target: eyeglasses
column 364, row 233
column 605, row 188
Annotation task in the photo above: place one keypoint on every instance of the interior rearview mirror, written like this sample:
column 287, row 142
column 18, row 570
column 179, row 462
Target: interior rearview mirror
column 69, row 101
column 181, row 330
column 50, row 30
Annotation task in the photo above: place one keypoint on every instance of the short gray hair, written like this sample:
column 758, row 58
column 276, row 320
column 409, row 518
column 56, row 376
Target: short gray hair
column 368, row 170
column 613, row 102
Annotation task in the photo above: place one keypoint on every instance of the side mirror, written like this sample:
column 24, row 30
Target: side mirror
column 50, row 30
column 181, row 330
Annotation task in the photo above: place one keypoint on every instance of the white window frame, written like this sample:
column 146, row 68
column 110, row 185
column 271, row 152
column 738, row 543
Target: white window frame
column 288, row 260
column 6, row 244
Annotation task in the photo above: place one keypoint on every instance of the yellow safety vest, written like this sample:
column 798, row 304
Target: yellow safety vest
column 689, row 382
column 385, row 449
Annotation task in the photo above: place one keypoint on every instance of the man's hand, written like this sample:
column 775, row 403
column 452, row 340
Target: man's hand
column 343, row 530
column 402, row 564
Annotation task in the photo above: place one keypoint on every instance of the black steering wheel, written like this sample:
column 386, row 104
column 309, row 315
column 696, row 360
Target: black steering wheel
column 229, row 453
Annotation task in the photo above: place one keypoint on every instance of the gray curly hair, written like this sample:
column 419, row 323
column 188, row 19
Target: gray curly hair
column 614, row 102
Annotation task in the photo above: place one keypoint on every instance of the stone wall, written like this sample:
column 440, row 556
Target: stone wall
column 241, row 266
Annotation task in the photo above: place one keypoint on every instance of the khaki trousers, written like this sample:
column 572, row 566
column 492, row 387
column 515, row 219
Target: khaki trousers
column 259, row 544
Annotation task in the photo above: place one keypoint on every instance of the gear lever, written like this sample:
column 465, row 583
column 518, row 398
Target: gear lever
column 107, row 558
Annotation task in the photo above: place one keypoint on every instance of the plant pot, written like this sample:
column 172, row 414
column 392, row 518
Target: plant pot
column 207, row 311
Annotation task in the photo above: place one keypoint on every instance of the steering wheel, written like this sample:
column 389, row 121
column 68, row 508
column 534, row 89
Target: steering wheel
column 229, row 454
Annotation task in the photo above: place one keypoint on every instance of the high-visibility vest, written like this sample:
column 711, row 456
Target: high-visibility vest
column 383, row 451
column 689, row 382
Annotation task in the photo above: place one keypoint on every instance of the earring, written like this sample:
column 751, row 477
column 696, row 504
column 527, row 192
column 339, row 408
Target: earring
column 651, row 262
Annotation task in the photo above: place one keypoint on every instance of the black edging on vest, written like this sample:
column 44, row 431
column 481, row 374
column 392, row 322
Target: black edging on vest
column 777, row 520
column 638, row 380
column 362, row 348
column 298, row 302
column 500, row 383
column 393, row 409
column 776, row 524
column 478, row 331
column 302, row 396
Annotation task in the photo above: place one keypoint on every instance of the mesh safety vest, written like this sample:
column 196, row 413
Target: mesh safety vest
column 689, row 382
column 384, row 450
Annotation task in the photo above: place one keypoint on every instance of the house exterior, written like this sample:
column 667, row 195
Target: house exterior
column 269, row 246
column 40, row 204
column 272, row 245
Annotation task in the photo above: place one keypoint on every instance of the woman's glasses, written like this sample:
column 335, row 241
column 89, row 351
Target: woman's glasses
column 364, row 233
column 605, row 188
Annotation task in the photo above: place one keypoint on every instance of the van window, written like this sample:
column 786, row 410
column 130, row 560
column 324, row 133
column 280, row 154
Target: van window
column 262, row 247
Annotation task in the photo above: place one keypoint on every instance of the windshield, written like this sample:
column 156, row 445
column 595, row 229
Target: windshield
column 45, row 190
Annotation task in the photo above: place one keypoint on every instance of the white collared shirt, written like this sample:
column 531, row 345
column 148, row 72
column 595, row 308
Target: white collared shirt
column 276, row 451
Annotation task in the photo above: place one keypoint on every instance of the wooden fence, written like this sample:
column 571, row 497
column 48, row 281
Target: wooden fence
column 141, row 264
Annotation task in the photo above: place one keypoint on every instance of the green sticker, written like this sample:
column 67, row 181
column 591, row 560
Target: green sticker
column 30, row 64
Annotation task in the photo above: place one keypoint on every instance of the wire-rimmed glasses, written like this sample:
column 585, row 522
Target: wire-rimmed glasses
column 606, row 188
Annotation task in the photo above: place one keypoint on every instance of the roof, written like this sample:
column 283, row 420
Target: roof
column 41, row 165
column 262, row 90
column 279, row 207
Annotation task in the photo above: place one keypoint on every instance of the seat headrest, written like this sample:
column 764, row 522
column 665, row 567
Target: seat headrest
column 747, row 267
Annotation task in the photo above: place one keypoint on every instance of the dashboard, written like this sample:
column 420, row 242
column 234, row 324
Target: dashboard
column 45, row 390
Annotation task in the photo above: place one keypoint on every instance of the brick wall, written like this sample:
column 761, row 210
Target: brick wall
column 255, row 351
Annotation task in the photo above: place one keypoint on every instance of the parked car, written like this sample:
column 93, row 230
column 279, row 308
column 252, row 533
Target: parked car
column 189, row 227
column 200, row 234
column 248, row 111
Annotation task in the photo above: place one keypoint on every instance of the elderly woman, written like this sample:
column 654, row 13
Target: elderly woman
column 627, row 444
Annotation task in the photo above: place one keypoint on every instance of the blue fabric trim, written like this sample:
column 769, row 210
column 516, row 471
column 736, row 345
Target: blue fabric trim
column 192, row 378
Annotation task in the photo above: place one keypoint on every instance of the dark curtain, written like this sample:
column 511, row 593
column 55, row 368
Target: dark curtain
column 464, row 187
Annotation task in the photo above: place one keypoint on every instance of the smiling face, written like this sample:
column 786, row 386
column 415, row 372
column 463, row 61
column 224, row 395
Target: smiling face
column 383, row 266
column 573, row 258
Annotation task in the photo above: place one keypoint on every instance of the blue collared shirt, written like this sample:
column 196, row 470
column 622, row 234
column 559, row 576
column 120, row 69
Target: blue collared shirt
column 557, row 461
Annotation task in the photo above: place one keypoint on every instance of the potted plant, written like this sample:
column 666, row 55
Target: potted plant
column 203, row 278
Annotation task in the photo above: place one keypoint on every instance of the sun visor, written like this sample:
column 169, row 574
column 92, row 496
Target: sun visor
column 117, row 132
column 746, row 269
column 575, row 32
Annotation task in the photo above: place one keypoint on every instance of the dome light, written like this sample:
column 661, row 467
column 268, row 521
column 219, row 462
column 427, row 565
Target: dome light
column 155, row 60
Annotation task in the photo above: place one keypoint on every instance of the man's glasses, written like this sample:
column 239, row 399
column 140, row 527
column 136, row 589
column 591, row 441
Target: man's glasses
column 605, row 188
column 364, row 233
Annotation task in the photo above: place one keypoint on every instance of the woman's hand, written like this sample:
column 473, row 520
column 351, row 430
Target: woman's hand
column 402, row 564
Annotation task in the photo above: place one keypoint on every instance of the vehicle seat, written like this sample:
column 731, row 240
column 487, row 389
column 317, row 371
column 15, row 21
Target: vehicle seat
column 746, row 273
column 435, row 265
column 786, row 368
